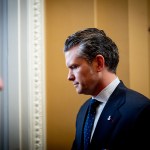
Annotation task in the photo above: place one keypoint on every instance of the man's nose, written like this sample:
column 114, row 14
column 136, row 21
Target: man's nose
column 71, row 76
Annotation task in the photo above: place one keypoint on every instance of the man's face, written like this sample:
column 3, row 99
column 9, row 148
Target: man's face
column 1, row 84
column 83, row 75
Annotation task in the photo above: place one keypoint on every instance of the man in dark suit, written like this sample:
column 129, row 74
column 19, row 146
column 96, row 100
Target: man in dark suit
column 122, row 117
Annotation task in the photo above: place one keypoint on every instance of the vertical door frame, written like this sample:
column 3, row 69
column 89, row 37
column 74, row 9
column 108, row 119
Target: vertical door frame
column 23, row 121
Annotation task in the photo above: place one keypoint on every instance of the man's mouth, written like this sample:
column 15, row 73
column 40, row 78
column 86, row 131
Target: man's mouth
column 75, row 84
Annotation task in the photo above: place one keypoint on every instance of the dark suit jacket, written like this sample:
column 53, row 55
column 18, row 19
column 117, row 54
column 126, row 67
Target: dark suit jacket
column 128, row 126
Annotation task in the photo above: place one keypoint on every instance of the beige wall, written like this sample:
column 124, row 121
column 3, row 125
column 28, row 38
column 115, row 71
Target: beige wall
column 112, row 16
column 149, row 40
column 126, row 21
column 63, row 17
column 138, row 46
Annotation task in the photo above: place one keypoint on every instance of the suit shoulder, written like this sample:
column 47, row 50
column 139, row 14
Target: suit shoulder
column 137, row 96
column 133, row 94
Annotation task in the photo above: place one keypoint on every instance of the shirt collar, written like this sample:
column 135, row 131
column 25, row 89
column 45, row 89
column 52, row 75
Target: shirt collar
column 107, row 91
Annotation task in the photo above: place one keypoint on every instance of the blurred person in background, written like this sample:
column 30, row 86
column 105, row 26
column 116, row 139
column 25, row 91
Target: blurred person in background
column 1, row 84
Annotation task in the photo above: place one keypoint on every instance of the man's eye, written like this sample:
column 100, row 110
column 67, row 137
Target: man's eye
column 74, row 66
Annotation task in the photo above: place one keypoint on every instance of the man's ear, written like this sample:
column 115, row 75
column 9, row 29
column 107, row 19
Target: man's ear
column 100, row 62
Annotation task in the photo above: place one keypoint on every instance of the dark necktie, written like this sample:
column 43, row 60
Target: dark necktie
column 89, row 122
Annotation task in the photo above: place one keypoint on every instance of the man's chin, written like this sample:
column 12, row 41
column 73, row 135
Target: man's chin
column 82, row 92
column 79, row 91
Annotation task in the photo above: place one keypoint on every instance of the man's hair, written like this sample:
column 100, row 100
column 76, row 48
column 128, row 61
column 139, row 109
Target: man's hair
column 93, row 42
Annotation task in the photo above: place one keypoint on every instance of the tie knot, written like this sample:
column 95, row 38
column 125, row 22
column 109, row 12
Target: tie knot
column 94, row 103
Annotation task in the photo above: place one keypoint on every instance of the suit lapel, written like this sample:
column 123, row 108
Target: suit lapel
column 109, row 117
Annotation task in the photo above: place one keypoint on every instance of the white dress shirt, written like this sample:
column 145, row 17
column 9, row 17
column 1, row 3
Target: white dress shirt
column 103, row 97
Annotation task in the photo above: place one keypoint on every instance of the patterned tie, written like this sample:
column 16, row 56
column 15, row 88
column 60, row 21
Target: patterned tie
column 89, row 122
